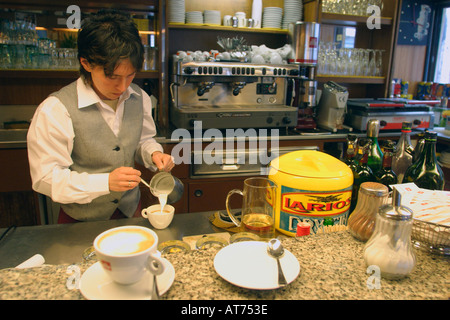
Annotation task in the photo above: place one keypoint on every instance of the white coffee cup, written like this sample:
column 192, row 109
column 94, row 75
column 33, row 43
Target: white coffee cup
column 227, row 20
column 158, row 219
column 126, row 253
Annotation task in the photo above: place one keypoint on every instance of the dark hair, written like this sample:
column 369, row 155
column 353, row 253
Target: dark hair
column 106, row 38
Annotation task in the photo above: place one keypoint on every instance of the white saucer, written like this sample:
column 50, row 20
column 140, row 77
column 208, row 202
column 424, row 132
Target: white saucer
column 247, row 264
column 95, row 284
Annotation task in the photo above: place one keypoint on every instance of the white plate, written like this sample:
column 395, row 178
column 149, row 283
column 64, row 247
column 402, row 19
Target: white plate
column 247, row 264
column 95, row 284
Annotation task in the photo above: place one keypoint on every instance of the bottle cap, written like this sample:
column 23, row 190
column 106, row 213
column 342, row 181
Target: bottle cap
column 303, row 229
column 374, row 188
column 373, row 127
column 431, row 135
column 406, row 126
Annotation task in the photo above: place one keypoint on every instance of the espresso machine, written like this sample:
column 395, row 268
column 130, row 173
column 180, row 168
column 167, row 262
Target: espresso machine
column 304, row 39
column 232, row 95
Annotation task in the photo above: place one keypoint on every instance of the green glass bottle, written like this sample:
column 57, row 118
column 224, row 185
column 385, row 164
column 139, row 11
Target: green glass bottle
column 375, row 157
column 426, row 172
column 363, row 173
column 386, row 175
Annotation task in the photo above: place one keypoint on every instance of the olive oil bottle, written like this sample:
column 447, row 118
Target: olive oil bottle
column 426, row 172
column 386, row 175
column 404, row 151
column 375, row 156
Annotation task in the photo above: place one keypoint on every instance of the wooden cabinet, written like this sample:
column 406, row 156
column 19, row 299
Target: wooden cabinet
column 37, row 84
column 366, row 38
column 18, row 203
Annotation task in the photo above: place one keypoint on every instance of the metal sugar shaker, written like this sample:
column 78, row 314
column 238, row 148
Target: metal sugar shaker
column 390, row 246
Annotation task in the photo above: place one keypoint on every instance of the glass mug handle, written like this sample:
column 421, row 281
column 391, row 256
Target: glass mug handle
column 155, row 265
column 230, row 214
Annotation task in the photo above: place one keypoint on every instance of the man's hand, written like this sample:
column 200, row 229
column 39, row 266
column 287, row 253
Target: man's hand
column 124, row 179
column 163, row 161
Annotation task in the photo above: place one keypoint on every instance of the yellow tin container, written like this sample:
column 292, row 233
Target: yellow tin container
column 313, row 187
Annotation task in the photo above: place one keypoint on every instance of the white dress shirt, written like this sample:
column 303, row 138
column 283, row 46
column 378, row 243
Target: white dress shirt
column 50, row 143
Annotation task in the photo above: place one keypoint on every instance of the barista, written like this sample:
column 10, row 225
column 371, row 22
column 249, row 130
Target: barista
column 84, row 139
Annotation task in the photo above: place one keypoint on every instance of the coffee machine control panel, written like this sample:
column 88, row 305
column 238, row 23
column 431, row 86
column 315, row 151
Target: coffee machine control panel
column 235, row 69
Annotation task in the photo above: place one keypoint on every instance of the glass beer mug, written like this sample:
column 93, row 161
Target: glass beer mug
column 258, row 206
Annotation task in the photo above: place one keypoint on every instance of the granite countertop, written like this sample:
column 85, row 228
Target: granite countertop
column 332, row 267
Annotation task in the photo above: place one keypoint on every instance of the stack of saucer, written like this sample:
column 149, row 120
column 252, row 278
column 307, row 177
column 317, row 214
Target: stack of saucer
column 292, row 12
column 212, row 17
column 272, row 17
column 176, row 11
column 194, row 17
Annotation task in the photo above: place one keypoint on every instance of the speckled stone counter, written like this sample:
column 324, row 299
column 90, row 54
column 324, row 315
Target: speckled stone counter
column 332, row 268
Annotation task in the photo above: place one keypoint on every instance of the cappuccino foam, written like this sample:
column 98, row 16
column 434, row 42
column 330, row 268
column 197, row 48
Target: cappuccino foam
column 125, row 242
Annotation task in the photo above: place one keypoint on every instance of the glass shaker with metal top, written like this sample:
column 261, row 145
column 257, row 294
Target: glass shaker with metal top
column 390, row 246
column 371, row 196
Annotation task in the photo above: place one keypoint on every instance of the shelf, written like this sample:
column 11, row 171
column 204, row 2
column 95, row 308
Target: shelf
column 350, row 20
column 85, row 5
column 62, row 74
column 225, row 28
column 350, row 79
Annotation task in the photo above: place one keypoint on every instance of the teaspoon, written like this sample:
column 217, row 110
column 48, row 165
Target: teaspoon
column 275, row 249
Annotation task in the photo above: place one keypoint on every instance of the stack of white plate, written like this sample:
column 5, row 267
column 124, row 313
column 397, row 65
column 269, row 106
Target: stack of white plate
column 292, row 12
column 212, row 17
column 176, row 11
column 195, row 17
column 272, row 17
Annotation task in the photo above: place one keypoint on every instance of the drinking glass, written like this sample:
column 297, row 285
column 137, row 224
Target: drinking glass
column 331, row 58
column 5, row 57
column 372, row 63
column 365, row 60
column 379, row 63
column 258, row 207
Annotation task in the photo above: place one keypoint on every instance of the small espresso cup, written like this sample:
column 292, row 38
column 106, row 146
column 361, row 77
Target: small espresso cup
column 126, row 253
column 157, row 218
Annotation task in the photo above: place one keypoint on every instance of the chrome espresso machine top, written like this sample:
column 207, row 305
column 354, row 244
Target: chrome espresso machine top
column 232, row 95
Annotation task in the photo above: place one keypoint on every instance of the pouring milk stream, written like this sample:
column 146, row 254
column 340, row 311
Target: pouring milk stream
column 166, row 188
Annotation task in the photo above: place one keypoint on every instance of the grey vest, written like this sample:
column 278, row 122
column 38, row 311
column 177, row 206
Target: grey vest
column 97, row 150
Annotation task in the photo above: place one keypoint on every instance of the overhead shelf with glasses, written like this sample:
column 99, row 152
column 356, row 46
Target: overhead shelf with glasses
column 352, row 27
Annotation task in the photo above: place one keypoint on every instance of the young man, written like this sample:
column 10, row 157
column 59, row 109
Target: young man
column 84, row 139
